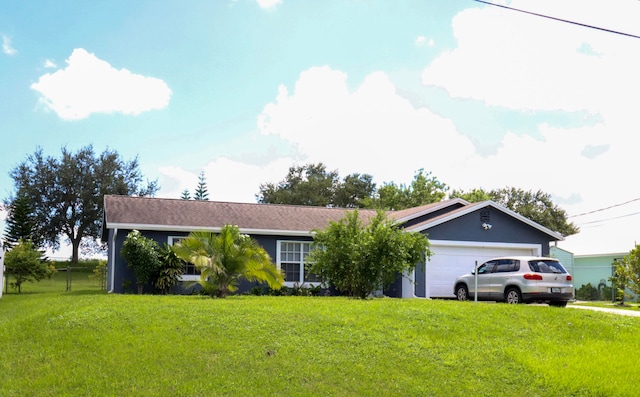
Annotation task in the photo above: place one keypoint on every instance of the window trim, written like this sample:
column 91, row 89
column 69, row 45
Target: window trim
column 183, row 277
column 279, row 262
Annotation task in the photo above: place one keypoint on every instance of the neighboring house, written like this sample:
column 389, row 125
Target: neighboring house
column 595, row 269
column 460, row 233
column 565, row 257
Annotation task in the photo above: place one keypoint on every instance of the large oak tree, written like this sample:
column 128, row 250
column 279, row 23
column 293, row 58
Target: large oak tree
column 66, row 193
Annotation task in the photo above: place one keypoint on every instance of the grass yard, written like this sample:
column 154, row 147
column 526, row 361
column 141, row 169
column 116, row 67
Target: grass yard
column 86, row 342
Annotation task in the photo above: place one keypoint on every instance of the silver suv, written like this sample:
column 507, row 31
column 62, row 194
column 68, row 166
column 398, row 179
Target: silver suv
column 523, row 279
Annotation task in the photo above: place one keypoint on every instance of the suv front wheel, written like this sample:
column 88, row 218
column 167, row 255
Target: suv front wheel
column 513, row 296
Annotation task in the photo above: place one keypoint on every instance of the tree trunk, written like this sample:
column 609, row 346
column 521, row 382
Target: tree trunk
column 75, row 248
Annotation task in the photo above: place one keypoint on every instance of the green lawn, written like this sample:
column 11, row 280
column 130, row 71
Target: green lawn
column 88, row 343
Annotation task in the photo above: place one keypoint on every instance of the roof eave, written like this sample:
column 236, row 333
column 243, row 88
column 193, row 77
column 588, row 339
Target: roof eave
column 216, row 229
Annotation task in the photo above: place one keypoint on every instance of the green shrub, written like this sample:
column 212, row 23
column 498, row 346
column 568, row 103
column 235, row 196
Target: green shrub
column 587, row 292
column 170, row 270
column 24, row 262
column 142, row 256
column 100, row 273
column 257, row 291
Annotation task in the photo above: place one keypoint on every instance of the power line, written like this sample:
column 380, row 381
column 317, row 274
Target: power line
column 610, row 219
column 605, row 208
column 559, row 19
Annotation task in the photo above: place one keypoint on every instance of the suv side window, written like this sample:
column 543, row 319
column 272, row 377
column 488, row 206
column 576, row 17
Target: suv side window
column 507, row 265
column 487, row 267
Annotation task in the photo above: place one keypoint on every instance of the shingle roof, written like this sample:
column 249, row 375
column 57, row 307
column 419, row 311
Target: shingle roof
column 173, row 214
column 144, row 213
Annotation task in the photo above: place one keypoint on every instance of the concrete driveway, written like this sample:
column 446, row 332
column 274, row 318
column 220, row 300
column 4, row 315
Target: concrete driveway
column 624, row 312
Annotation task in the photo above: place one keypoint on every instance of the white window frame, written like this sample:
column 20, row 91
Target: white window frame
column 184, row 277
column 279, row 262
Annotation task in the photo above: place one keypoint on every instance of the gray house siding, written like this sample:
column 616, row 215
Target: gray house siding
column 123, row 273
column 504, row 229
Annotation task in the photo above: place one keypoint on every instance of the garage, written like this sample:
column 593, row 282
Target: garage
column 473, row 232
column 454, row 258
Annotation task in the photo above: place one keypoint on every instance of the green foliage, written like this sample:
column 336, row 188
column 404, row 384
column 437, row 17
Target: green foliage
column 142, row 256
column 626, row 275
column 588, row 292
column 201, row 193
column 313, row 185
column 472, row 196
column 170, row 270
column 537, row 206
column 622, row 278
column 354, row 191
column 185, row 195
column 25, row 264
column 424, row 189
column 633, row 262
column 67, row 192
column 100, row 273
column 309, row 184
column 225, row 258
column 21, row 222
column 359, row 259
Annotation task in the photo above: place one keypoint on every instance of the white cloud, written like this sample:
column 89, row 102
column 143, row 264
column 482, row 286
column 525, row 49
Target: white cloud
column 519, row 61
column 370, row 130
column 6, row 46
column 268, row 3
column 90, row 85
column 523, row 62
column 422, row 41
column 227, row 179
column 49, row 64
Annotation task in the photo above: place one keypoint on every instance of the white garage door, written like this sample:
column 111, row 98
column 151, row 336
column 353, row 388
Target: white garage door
column 453, row 259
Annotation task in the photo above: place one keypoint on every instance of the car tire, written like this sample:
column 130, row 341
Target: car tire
column 558, row 303
column 513, row 296
column 462, row 293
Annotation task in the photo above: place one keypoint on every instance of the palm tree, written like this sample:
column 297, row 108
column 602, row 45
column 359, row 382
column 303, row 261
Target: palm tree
column 224, row 258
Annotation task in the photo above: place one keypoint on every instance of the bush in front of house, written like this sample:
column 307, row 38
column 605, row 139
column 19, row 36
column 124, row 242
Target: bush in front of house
column 142, row 256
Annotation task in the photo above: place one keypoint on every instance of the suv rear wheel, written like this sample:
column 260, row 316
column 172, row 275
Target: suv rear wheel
column 462, row 294
column 513, row 296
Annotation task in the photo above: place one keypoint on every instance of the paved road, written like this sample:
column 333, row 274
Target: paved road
column 624, row 312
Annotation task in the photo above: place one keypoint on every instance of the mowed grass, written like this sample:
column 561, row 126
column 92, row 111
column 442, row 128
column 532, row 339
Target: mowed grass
column 88, row 343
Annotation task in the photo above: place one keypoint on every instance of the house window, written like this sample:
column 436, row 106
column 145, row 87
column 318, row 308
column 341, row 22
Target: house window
column 190, row 270
column 292, row 257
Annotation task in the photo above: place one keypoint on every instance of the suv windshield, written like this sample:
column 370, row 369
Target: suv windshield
column 546, row 266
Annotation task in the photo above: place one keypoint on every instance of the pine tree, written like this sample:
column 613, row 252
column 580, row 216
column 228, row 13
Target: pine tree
column 201, row 192
column 21, row 223
column 185, row 195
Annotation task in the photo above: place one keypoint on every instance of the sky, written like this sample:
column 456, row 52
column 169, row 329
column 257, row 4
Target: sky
column 478, row 95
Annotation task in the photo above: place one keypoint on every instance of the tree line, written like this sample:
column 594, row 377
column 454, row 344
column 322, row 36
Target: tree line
column 313, row 184
column 59, row 199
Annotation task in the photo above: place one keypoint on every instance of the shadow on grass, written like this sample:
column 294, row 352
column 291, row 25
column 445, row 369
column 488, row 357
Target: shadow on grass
column 78, row 292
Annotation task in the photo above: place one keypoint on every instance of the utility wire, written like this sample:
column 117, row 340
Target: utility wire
column 605, row 208
column 609, row 219
column 559, row 19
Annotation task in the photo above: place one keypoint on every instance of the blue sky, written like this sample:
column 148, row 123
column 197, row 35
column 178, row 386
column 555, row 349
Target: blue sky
column 243, row 89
